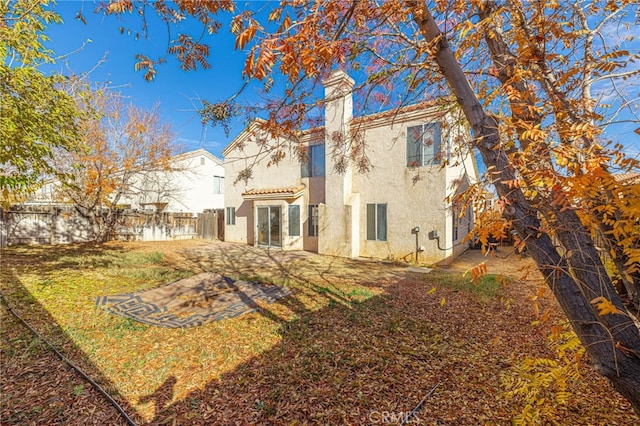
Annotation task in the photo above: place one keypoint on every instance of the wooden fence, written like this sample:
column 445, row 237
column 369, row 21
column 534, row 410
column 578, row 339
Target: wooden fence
column 211, row 225
column 55, row 224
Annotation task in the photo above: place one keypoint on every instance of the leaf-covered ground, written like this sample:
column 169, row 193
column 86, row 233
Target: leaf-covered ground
column 357, row 343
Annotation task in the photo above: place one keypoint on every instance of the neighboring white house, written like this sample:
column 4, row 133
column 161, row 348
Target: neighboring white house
column 385, row 213
column 195, row 183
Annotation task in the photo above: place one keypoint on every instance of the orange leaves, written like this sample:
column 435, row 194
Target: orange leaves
column 190, row 53
column 260, row 60
column 534, row 134
column 145, row 63
column 605, row 307
column 477, row 272
column 245, row 29
column 535, row 299
column 519, row 244
column 559, row 198
column 245, row 37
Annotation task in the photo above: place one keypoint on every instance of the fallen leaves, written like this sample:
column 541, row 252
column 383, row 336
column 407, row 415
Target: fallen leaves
column 356, row 338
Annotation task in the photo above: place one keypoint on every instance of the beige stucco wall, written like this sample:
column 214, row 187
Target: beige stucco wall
column 459, row 176
column 409, row 204
column 286, row 173
column 414, row 196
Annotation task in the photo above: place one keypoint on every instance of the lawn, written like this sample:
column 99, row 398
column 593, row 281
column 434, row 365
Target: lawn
column 355, row 342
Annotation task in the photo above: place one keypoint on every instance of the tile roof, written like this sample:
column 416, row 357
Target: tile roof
column 629, row 177
column 284, row 192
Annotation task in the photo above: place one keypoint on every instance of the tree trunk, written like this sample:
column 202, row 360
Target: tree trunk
column 612, row 341
column 506, row 64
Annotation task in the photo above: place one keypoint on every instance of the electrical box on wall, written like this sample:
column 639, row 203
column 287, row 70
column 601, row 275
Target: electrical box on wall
column 433, row 235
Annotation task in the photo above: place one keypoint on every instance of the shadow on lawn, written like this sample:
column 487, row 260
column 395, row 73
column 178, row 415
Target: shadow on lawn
column 360, row 360
column 38, row 384
column 353, row 362
column 373, row 361
column 313, row 275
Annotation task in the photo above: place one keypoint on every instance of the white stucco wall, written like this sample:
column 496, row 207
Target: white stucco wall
column 196, row 184
column 189, row 188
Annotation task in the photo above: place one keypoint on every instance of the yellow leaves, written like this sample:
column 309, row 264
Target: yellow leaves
column 539, row 385
column 534, row 134
column 605, row 307
column 433, row 290
column 121, row 6
column 466, row 27
column 443, row 302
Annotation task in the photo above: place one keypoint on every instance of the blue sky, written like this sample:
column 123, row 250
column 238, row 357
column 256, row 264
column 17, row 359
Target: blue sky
column 175, row 90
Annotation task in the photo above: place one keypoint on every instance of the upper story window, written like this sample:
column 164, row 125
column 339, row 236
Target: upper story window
column 423, row 145
column 314, row 167
column 202, row 161
column 218, row 184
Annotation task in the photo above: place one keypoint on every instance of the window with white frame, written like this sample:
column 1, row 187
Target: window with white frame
column 218, row 184
column 314, row 167
column 423, row 145
column 294, row 220
column 231, row 215
column 312, row 221
column 377, row 222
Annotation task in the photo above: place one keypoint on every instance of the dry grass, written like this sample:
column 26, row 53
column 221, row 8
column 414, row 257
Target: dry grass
column 355, row 339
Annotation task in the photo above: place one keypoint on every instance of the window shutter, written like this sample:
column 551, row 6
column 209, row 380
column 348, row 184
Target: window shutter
column 381, row 222
column 371, row 222
column 414, row 146
column 304, row 169
column 294, row 221
column 437, row 143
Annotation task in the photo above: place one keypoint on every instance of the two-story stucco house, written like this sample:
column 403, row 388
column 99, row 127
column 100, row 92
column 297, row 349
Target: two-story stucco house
column 195, row 183
column 312, row 207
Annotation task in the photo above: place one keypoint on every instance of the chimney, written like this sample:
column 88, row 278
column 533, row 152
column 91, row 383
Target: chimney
column 340, row 223
column 338, row 111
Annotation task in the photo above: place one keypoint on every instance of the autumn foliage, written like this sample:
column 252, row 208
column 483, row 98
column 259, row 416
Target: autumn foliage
column 123, row 144
column 537, row 82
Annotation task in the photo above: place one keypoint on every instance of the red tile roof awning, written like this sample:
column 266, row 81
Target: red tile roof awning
column 628, row 178
column 285, row 193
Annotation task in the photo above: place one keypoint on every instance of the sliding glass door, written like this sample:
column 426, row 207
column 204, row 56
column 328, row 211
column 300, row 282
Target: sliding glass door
column 269, row 226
